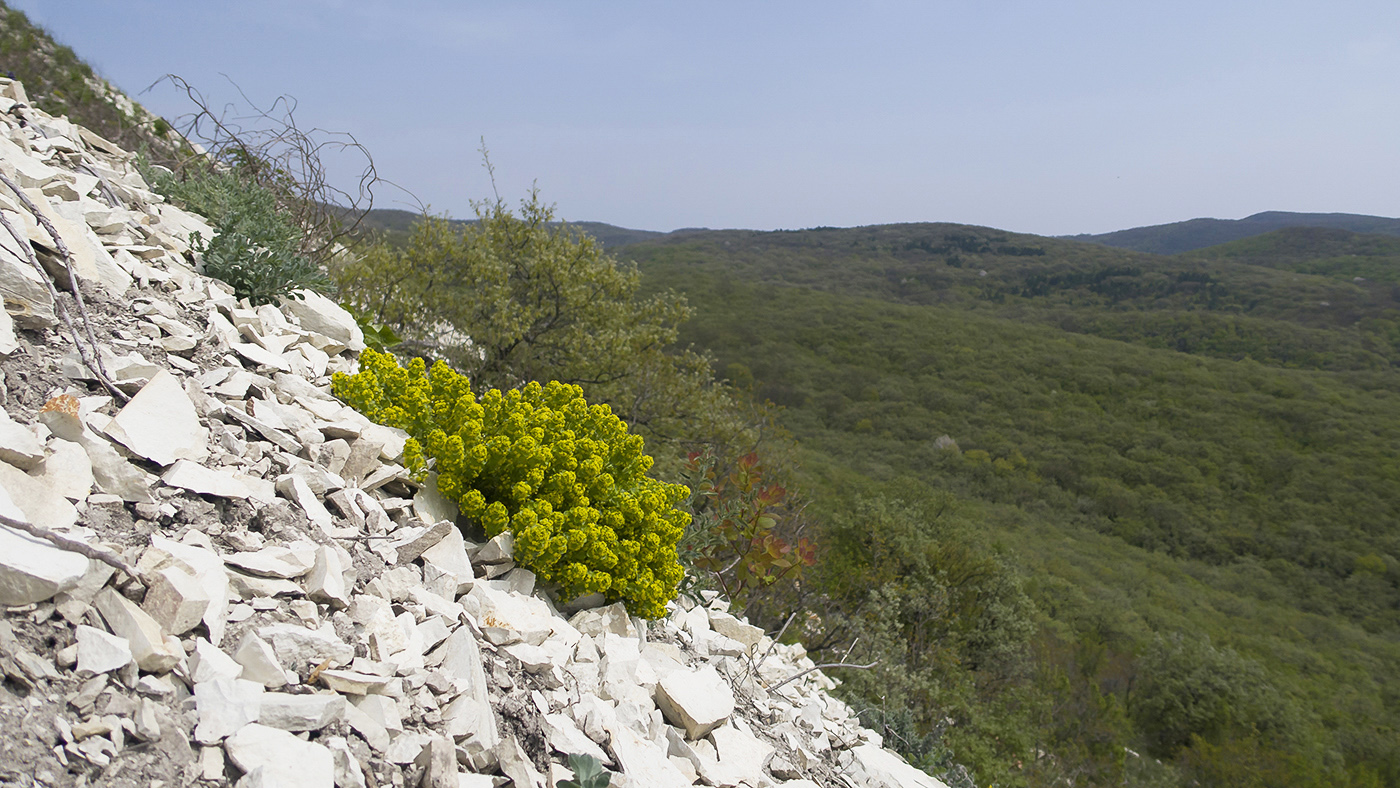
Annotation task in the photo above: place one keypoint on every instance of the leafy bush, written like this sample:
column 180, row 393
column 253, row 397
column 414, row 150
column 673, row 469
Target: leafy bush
column 257, row 249
column 742, row 531
column 516, row 296
column 565, row 478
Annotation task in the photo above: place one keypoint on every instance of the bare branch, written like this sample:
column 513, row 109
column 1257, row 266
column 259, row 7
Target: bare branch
column 71, row 545
column 93, row 362
column 799, row 675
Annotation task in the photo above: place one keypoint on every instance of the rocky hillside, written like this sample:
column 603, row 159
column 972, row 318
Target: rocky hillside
column 213, row 572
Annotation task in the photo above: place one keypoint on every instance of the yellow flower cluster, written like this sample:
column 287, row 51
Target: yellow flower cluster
column 565, row 478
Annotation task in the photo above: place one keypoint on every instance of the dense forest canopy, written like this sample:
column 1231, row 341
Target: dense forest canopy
column 1187, row 463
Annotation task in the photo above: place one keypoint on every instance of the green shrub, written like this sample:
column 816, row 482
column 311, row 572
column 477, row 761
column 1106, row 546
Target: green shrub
column 566, row 478
column 257, row 248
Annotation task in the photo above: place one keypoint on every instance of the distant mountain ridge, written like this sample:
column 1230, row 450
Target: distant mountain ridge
column 1178, row 237
column 394, row 220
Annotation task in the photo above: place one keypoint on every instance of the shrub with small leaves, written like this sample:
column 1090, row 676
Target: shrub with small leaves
column 565, row 478
column 256, row 248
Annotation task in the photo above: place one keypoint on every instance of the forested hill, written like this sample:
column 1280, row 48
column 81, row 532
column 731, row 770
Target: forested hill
column 395, row 224
column 1274, row 299
column 1186, row 236
column 1189, row 460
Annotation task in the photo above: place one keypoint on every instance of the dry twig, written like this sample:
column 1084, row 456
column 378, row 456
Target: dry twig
column 71, row 545
column 94, row 361
column 799, row 675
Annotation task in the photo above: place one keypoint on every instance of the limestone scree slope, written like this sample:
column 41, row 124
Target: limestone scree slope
column 294, row 610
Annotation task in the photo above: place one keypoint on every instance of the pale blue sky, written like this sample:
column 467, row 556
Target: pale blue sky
column 1043, row 117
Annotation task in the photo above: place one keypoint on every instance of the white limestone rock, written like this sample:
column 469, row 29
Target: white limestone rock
column 884, row 769
column 297, row 490
column 258, row 662
column 282, row 758
column 111, row 471
column 327, row 580
column 27, row 299
column 91, row 262
column 100, row 652
column 528, row 617
column 281, row 561
column 431, row 505
column 34, row 501
column 298, row 647
column 208, row 569
column 382, row 709
column 347, row 767
column 260, row 356
column 643, row 763
column 33, row 569
column 412, row 541
column 9, row 343
column 160, row 423
column 515, row 764
column 498, row 550
column 565, row 738
column 350, row 682
column 698, row 701
column 733, row 628
column 209, row 663
column 68, row 470
column 317, row 313
column 225, row 706
column 18, row 445
column 740, row 757
column 472, row 724
column 438, row 760
column 151, row 649
column 175, row 599
column 225, row 484
column 372, row 732
column 449, row 556
column 598, row 621
column 300, row 712
column 460, row 658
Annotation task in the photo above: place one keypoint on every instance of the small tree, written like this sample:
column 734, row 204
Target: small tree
column 515, row 297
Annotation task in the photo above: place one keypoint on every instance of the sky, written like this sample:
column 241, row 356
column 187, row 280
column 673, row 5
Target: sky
column 1053, row 117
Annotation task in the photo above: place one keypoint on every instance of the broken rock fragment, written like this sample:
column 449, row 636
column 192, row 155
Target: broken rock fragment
column 18, row 446
column 100, row 652
column 698, row 701
column 225, row 706
column 151, row 649
column 160, row 423
column 281, row 757
column 175, row 599
column 32, row 569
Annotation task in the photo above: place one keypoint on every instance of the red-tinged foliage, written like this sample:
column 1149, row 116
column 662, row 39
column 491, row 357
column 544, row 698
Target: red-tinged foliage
column 745, row 532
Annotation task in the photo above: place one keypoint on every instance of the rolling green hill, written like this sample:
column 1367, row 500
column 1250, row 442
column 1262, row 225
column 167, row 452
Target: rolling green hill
column 1200, row 446
column 395, row 224
column 1186, row 236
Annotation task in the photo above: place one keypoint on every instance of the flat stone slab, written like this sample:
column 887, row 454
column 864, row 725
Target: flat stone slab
column 225, row 706
column 32, row 569
column 100, row 652
column 160, row 423
column 300, row 712
column 18, row 446
column 280, row 757
column 206, row 481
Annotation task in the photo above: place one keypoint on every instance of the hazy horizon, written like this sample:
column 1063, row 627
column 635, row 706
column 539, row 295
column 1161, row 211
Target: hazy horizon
column 1086, row 118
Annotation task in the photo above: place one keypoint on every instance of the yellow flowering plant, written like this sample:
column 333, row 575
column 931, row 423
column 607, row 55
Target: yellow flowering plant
column 566, row 478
